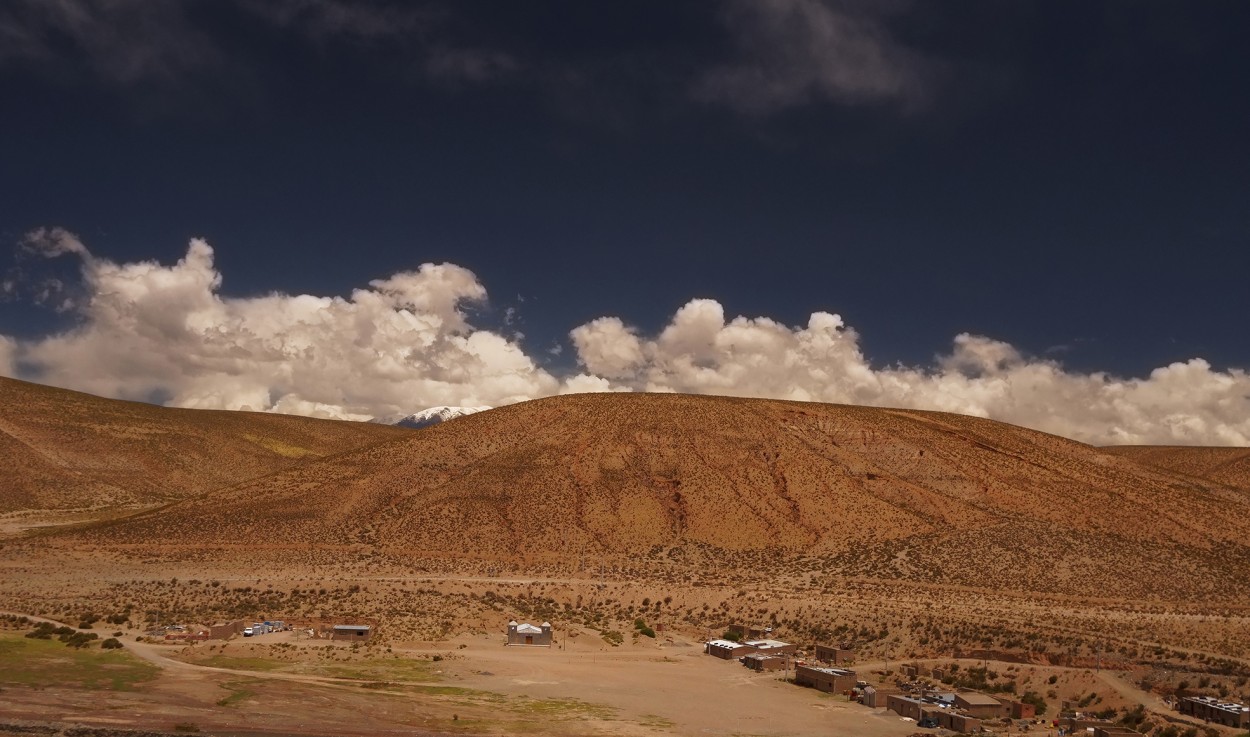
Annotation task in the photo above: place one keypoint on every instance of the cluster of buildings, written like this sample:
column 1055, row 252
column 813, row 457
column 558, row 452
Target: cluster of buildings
column 226, row 630
column 1211, row 709
column 263, row 628
column 962, row 711
column 959, row 711
column 766, row 654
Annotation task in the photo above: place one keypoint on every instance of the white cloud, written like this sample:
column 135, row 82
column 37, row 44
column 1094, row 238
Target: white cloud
column 700, row 352
column 52, row 242
column 608, row 348
column 796, row 51
column 402, row 344
column 405, row 343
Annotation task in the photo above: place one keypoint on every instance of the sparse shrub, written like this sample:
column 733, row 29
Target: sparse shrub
column 1032, row 697
column 78, row 639
column 1133, row 718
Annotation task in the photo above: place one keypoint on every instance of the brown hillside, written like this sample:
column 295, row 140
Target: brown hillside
column 1229, row 466
column 860, row 491
column 65, row 450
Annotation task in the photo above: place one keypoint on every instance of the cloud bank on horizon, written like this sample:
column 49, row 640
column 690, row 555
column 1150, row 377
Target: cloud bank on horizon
column 147, row 330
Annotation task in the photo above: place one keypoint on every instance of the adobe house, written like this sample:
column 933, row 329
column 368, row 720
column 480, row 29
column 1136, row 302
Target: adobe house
column 224, row 631
column 727, row 649
column 763, row 662
column 1211, row 709
column 773, row 647
column 1021, row 710
column 353, row 632
column 905, row 706
column 875, row 696
column 980, row 705
column 745, row 632
column 527, row 634
column 834, row 655
column 958, row 722
column 829, row 680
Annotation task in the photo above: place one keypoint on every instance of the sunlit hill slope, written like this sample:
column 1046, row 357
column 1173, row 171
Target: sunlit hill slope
column 64, row 449
column 833, row 489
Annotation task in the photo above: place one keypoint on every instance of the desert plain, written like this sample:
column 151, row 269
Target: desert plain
column 1105, row 581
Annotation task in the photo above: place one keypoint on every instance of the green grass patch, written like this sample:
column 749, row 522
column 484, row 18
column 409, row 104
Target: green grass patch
column 397, row 669
column 425, row 690
column 238, row 663
column 382, row 670
column 564, row 708
column 46, row 663
column 239, row 691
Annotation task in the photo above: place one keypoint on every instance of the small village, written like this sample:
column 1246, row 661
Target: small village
column 914, row 695
column 915, row 692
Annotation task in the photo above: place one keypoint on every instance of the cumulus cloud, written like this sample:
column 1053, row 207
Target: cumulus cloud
column 701, row 352
column 607, row 348
column 793, row 52
column 147, row 330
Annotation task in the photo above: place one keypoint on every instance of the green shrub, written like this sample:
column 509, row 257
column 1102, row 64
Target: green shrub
column 111, row 643
column 1032, row 697
column 78, row 639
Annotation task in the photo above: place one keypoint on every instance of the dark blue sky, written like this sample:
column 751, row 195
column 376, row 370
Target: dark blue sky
column 1051, row 174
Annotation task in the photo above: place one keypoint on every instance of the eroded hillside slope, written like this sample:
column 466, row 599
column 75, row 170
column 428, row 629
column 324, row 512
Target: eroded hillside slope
column 1230, row 466
column 64, row 449
column 860, row 491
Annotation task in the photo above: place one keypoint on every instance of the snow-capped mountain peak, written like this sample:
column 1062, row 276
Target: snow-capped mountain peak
column 431, row 416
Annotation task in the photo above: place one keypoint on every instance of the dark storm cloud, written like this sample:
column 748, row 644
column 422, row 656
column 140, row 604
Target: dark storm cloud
column 785, row 53
column 117, row 41
column 794, row 52
column 130, row 42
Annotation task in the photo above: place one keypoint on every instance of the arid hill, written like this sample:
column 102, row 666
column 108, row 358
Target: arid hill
column 65, row 450
column 1229, row 466
column 855, row 491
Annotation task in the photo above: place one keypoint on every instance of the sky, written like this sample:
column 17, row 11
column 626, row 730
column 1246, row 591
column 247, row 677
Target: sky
column 1037, row 212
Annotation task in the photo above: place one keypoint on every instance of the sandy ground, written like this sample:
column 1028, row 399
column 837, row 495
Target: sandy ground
column 660, row 688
